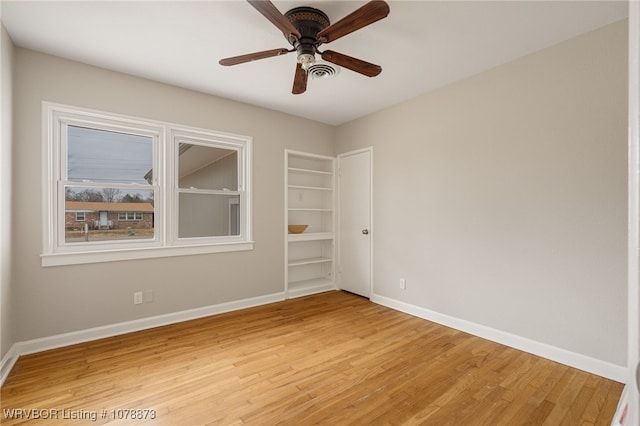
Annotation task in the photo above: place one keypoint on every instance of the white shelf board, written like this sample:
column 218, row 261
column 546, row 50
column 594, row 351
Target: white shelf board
column 314, row 188
column 312, row 236
column 310, row 171
column 306, row 287
column 309, row 261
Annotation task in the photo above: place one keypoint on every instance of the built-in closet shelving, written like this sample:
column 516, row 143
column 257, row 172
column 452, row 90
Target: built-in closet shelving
column 309, row 200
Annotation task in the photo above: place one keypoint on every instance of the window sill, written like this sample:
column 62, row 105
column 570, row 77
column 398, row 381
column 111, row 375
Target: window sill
column 78, row 258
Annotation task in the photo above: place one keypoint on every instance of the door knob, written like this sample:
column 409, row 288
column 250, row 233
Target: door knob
column 365, row 231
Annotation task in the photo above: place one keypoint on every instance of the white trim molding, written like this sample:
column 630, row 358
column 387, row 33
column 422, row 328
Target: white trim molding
column 554, row 353
column 81, row 336
column 8, row 361
column 629, row 406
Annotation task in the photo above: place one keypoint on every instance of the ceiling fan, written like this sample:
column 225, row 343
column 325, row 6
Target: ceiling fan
column 306, row 28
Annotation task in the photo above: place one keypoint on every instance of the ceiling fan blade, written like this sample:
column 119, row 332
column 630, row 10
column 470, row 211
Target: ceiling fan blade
column 235, row 60
column 269, row 11
column 367, row 14
column 357, row 65
column 300, row 80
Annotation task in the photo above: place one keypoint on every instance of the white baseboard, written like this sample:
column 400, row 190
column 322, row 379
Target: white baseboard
column 7, row 363
column 582, row 362
column 81, row 336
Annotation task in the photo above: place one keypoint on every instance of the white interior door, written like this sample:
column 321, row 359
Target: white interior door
column 354, row 221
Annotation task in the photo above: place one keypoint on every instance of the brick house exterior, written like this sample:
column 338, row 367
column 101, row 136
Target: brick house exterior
column 99, row 215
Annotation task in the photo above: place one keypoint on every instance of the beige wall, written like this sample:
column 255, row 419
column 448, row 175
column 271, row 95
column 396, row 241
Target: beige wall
column 501, row 199
column 56, row 300
column 6, row 140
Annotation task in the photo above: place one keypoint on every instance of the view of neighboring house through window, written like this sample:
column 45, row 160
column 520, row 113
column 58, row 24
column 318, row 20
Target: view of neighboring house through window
column 105, row 176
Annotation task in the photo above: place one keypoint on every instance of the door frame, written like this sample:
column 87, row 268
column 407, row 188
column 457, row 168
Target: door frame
column 338, row 209
column 631, row 394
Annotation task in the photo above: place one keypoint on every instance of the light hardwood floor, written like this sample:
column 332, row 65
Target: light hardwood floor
column 332, row 358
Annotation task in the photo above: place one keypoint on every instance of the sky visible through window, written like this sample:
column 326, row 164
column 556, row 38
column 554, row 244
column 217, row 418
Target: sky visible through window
column 104, row 156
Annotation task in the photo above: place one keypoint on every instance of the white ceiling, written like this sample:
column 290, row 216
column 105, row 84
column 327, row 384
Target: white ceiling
column 421, row 45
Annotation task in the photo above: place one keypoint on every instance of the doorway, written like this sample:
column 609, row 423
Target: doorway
column 355, row 221
column 104, row 220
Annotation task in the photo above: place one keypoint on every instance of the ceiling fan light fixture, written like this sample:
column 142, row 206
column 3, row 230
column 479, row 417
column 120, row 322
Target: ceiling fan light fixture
column 306, row 60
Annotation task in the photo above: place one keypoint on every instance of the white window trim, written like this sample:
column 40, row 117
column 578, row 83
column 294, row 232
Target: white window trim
column 166, row 243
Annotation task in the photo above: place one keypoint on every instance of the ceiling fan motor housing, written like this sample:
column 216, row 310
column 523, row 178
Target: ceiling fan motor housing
column 309, row 22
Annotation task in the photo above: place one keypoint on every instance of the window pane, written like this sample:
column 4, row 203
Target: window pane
column 206, row 167
column 103, row 156
column 206, row 215
column 108, row 214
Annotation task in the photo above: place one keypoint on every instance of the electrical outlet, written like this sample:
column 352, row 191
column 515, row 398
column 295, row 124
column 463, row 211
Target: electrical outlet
column 403, row 283
column 137, row 298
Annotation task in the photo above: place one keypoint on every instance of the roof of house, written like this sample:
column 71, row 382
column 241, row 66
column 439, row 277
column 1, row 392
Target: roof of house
column 112, row 207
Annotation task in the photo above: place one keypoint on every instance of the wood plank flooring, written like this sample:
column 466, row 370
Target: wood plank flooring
column 332, row 358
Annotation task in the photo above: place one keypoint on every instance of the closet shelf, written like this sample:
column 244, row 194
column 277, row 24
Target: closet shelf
column 309, row 193
column 311, row 236
column 309, row 171
column 309, row 261
column 308, row 209
column 314, row 188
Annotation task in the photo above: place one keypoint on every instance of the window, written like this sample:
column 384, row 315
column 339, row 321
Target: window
column 102, row 167
column 208, row 182
column 130, row 216
column 144, row 188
